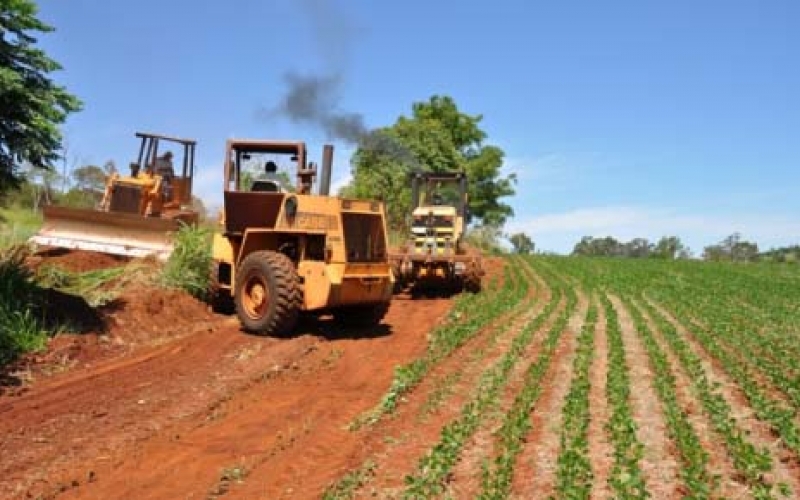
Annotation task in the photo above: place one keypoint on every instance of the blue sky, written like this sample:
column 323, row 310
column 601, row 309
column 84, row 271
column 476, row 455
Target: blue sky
column 621, row 118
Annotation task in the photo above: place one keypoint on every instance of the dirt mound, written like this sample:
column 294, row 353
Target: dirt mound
column 76, row 261
column 144, row 313
column 140, row 314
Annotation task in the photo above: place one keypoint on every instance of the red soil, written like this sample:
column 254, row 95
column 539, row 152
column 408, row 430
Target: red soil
column 163, row 399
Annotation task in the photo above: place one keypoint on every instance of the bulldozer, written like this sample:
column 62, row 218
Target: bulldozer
column 435, row 257
column 138, row 212
column 281, row 251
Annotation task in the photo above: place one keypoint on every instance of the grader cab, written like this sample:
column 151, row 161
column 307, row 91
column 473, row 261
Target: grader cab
column 280, row 252
column 435, row 257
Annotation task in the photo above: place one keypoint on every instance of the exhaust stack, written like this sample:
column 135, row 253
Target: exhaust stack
column 327, row 166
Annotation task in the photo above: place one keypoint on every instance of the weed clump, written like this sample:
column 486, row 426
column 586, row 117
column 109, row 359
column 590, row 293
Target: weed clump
column 21, row 330
column 188, row 266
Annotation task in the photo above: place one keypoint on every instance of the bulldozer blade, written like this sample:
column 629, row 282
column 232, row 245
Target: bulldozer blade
column 106, row 232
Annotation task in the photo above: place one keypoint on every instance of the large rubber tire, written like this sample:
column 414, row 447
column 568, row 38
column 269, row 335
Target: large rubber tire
column 361, row 316
column 268, row 296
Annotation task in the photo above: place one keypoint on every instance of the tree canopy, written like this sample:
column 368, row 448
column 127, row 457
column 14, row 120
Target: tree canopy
column 437, row 137
column 32, row 106
column 732, row 248
column 522, row 243
column 668, row 247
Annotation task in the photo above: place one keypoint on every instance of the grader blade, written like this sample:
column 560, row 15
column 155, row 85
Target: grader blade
column 106, row 232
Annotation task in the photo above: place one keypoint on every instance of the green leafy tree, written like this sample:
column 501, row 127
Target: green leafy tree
column 88, row 185
column 670, row 247
column 637, row 248
column 486, row 238
column 436, row 137
column 89, row 177
column 599, row 247
column 32, row 106
column 788, row 254
column 522, row 243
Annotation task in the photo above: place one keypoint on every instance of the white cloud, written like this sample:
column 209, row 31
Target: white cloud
column 560, row 231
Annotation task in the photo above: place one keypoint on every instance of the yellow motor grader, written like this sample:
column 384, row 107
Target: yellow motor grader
column 138, row 214
column 435, row 257
column 282, row 251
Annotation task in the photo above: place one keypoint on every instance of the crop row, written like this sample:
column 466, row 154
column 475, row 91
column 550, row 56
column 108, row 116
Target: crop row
column 774, row 356
column 522, row 315
column 694, row 457
column 776, row 414
column 434, row 467
column 469, row 316
column 574, row 474
column 751, row 462
column 626, row 476
column 497, row 476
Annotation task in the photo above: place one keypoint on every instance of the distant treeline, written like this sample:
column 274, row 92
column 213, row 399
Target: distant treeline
column 733, row 248
column 783, row 254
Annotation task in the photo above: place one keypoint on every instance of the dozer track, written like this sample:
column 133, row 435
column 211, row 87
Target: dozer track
column 107, row 232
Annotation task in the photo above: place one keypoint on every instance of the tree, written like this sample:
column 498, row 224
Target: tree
column 486, row 238
column 732, row 248
column 32, row 106
column 637, row 248
column 599, row 247
column 39, row 185
column 522, row 243
column 89, row 178
column 436, row 137
column 788, row 254
column 670, row 247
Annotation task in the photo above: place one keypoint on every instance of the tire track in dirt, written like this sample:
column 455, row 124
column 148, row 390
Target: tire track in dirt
column 786, row 466
column 659, row 463
column 465, row 480
column 719, row 463
column 535, row 471
column 63, row 416
column 600, row 449
column 417, row 425
column 290, row 419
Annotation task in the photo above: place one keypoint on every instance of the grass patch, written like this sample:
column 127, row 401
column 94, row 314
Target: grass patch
column 97, row 287
column 17, row 225
column 21, row 330
column 188, row 267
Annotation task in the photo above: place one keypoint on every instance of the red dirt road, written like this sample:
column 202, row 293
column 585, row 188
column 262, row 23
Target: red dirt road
column 194, row 413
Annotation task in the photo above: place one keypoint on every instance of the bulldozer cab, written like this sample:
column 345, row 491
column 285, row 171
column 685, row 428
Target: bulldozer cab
column 139, row 213
column 153, row 151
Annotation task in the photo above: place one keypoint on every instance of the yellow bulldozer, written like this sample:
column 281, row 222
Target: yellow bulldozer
column 435, row 258
column 281, row 251
column 138, row 213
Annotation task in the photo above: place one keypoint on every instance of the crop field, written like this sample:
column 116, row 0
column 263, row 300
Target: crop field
column 600, row 379
column 564, row 378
